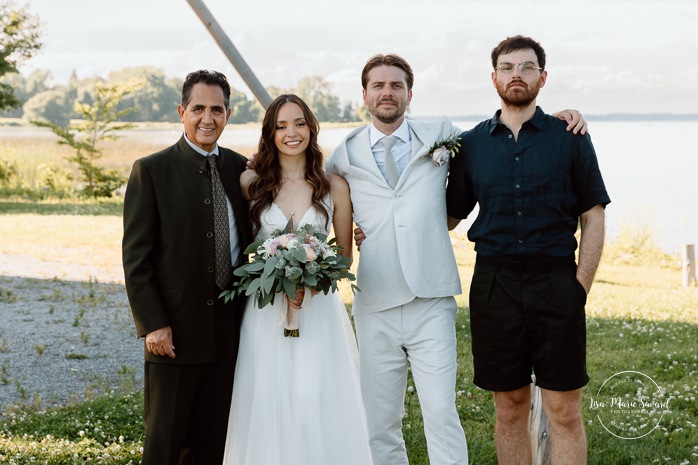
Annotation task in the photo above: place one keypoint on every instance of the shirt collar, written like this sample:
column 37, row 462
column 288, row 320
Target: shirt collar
column 198, row 149
column 402, row 133
column 537, row 120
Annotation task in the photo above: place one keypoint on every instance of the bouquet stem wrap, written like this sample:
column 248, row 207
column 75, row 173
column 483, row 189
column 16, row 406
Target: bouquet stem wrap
column 290, row 260
column 291, row 315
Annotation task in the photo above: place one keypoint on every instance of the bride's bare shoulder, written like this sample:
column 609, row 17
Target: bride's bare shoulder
column 339, row 188
column 337, row 183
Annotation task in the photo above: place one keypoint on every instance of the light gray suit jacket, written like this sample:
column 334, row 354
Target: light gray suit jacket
column 407, row 252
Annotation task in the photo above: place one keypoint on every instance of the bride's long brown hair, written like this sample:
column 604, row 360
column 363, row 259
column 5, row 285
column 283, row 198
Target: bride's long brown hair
column 264, row 189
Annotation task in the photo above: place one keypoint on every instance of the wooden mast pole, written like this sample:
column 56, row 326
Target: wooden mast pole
column 231, row 52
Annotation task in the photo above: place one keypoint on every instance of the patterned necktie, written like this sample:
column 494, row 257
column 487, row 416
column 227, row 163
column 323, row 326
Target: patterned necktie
column 391, row 174
column 221, row 227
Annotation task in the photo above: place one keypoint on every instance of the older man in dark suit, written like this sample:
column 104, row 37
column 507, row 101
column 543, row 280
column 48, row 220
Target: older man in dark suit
column 185, row 227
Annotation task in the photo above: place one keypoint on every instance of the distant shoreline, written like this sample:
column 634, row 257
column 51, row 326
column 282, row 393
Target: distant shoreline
column 627, row 117
column 607, row 117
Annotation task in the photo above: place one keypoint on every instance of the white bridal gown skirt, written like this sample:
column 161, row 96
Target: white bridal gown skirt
column 297, row 401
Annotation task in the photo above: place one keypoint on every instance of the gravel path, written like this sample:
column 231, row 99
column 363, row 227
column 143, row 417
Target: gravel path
column 64, row 334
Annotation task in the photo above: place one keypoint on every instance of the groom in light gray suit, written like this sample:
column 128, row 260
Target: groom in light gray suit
column 407, row 271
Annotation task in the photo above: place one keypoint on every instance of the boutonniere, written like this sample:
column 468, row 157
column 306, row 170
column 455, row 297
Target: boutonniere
column 444, row 149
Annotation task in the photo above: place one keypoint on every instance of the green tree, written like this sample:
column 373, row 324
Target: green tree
column 8, row 172
column 99, row 123
column 363, row 113
column 155, row 100
column 25, row 88
column 51, row 106
column 244, row 109
column 317, row 93
column 19, row 41
column 354, row 113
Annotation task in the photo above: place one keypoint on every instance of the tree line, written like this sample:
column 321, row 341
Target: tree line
column 154, row 97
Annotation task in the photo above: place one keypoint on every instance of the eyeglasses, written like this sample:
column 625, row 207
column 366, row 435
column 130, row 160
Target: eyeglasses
column 527, row 67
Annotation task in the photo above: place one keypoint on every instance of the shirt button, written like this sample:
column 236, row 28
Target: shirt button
column 517, row 158
column 209, row 234
column 518, row 186
column 209, row 302
column 207, row 201
column 510, row 136
column 520, row 241
column 518, row 213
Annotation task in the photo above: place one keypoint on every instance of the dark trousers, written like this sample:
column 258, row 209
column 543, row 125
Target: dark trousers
column 187, row 406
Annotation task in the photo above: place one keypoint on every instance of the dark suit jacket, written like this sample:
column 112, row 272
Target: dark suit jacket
column 168, row 249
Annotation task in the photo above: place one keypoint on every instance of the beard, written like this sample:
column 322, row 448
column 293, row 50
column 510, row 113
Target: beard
column 518, row 97
column 388, row 116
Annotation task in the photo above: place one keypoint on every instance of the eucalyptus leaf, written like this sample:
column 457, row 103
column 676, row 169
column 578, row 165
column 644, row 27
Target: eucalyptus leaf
column 252, row 248
column 265, row 299
column 298, row 253
column 255, row 266
column 310, row 280
column 270, row 266
column 289, row 288
column 267, row 284
column 253, row 286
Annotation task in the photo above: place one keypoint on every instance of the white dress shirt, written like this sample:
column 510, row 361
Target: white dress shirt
column 402, row 150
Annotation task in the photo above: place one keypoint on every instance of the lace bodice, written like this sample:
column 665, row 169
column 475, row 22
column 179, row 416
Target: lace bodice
column 273, row 218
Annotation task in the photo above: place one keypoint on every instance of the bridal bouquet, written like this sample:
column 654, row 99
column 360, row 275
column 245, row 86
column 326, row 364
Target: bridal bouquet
column 290, row 260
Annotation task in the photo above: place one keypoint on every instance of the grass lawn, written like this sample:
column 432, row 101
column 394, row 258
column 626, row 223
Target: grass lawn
column 640, row 319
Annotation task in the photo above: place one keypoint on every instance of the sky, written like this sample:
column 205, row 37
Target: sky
column 603, row 56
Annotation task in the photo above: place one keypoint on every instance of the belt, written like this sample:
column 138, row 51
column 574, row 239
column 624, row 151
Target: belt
column 534, row 265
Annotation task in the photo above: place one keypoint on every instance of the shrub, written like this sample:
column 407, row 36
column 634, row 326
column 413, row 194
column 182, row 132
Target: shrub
column 8, row 173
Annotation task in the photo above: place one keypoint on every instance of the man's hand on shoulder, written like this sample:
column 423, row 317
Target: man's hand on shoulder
column 250, row 161
column 575, row 122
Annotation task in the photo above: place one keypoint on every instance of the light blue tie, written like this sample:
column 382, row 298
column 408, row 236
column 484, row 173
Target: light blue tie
column 391, row 173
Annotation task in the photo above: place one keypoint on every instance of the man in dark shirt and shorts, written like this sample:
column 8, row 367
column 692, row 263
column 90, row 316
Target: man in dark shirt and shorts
column 534, row 182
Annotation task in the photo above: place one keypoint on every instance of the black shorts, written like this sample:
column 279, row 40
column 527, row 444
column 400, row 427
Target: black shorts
column 528, row 321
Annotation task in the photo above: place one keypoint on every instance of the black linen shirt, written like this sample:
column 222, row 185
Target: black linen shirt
column 531, row 191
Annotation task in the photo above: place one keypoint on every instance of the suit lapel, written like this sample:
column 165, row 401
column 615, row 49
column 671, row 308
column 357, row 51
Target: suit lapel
column 361, row 155
column 417, row 144
column 419, row 136
column 355, row 158
column 426, row 135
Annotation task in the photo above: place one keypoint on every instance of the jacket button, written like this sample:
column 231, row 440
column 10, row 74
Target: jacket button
column 201, row 170
column 209, row 234
column 209, row 302
column 210, row 269
column 207, row 201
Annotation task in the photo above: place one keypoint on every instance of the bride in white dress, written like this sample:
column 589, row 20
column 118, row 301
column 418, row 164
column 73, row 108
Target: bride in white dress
column 296, row 400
